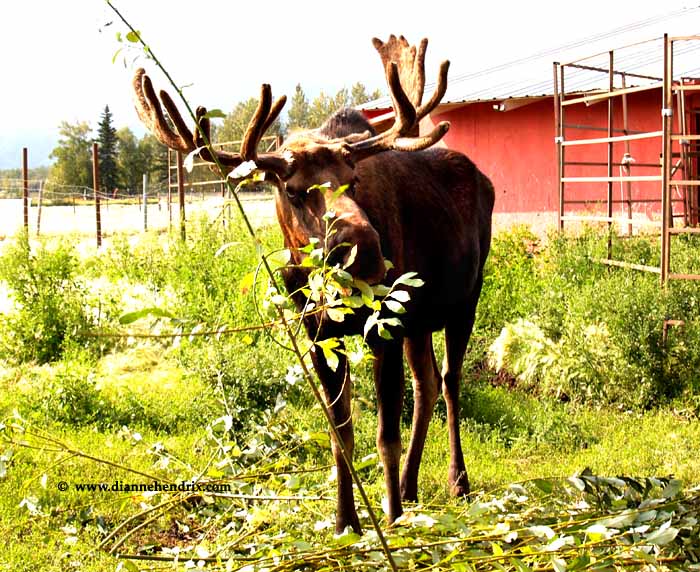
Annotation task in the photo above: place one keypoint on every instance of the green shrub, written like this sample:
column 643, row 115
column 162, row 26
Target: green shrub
column 247, row 377
column 51, row 309
column 595, row 333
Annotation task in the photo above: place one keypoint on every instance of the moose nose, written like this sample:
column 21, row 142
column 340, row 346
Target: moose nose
column 368, row 263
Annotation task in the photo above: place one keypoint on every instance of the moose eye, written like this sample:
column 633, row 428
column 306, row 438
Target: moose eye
column 292, row 193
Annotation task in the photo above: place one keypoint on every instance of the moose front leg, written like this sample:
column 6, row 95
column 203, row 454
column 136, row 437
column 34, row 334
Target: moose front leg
column 389, row 384
column 338, row 392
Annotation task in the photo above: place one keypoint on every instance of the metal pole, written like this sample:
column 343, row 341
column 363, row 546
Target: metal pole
column 96, row 187
column 560, row 148
column 628, row 154
column 562, row 155
column 25, row 187
column 145, row 202
column 38, row 212
column 181, row 194
column 667, row 114
column 611, row 109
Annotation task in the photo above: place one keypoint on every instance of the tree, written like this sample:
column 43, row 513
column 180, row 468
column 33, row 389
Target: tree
column 130, row 160
column 359, row 95
column 321, row 108
column 73, row 157
column 237, row 120
column 298, row 115
column 324, row 106
column 155, row 156
column 107, row 153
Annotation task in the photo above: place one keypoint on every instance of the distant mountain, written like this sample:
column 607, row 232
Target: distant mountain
column 39, row 142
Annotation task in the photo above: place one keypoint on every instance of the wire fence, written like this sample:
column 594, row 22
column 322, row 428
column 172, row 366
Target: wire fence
column 62, row 209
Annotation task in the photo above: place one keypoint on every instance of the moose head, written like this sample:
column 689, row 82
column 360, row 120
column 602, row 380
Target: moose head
column 426, row 210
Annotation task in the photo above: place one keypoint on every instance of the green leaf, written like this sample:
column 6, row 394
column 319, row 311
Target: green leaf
column 371, row 322
column 188, row 163
column 395, row 306
column 337, row 314
column 578, row 483
column 246, row 282
column 370, row 460
column 215, row 114
column 116, row 55
column 351, row 257
column 339, row 191
column 327, row 347
column 364, row 288
column 662, row 536
column 347, row 538
column 225, row 247
column 672, row 488
column 280, row 258
column 126, row 565
column 321, row 438
column 596, row 532
column 409, row 280
column 134, row 37
column 293, row 483
column 380, row 290
column 131, row 317
column 579, row 563
column 400, row 295
column 383, row 332
column 353, row 301
column 545, row 486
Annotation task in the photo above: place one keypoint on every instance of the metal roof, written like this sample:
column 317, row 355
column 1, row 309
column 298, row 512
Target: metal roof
column 532, row 76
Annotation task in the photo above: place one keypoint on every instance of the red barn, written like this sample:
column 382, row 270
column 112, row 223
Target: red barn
column 509, row 129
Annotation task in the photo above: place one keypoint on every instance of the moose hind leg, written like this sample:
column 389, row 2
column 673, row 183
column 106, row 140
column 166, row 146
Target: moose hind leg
column 338, row 392
column 389, row 384
column 426, row 388
column 457, row 333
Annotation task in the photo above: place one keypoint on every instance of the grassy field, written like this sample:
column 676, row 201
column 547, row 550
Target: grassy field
column 232, row 410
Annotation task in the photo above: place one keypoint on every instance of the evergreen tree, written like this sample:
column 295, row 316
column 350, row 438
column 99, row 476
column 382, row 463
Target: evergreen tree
column 358, row 94
column 321, row 108
column 107, row 141
column 298, row 115
column 156, row 160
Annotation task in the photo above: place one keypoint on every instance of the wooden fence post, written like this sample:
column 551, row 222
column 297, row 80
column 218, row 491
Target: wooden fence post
column 145, row 202
column 96, row 187
column 25, row 188
column 38, row 212
column 181, row 193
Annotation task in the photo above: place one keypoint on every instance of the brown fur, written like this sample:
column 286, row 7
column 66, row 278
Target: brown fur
column 428, row 212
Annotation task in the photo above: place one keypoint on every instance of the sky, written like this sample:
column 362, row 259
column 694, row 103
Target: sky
column 57, row 56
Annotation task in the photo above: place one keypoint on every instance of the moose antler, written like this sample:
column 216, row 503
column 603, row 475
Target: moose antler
column 183, row 139
column 404, row 66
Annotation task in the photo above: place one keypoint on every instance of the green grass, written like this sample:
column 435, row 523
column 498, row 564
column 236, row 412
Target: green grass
column 508, row 437
column 102, row 413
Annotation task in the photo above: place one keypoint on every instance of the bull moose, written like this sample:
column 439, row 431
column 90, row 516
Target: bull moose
column 426, row 209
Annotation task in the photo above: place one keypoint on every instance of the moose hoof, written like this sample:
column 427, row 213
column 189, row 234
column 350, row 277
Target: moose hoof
column 459, row 487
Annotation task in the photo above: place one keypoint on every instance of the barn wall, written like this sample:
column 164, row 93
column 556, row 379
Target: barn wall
column 516, row 150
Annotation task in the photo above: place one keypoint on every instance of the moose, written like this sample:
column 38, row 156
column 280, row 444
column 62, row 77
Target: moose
column 424, row 208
